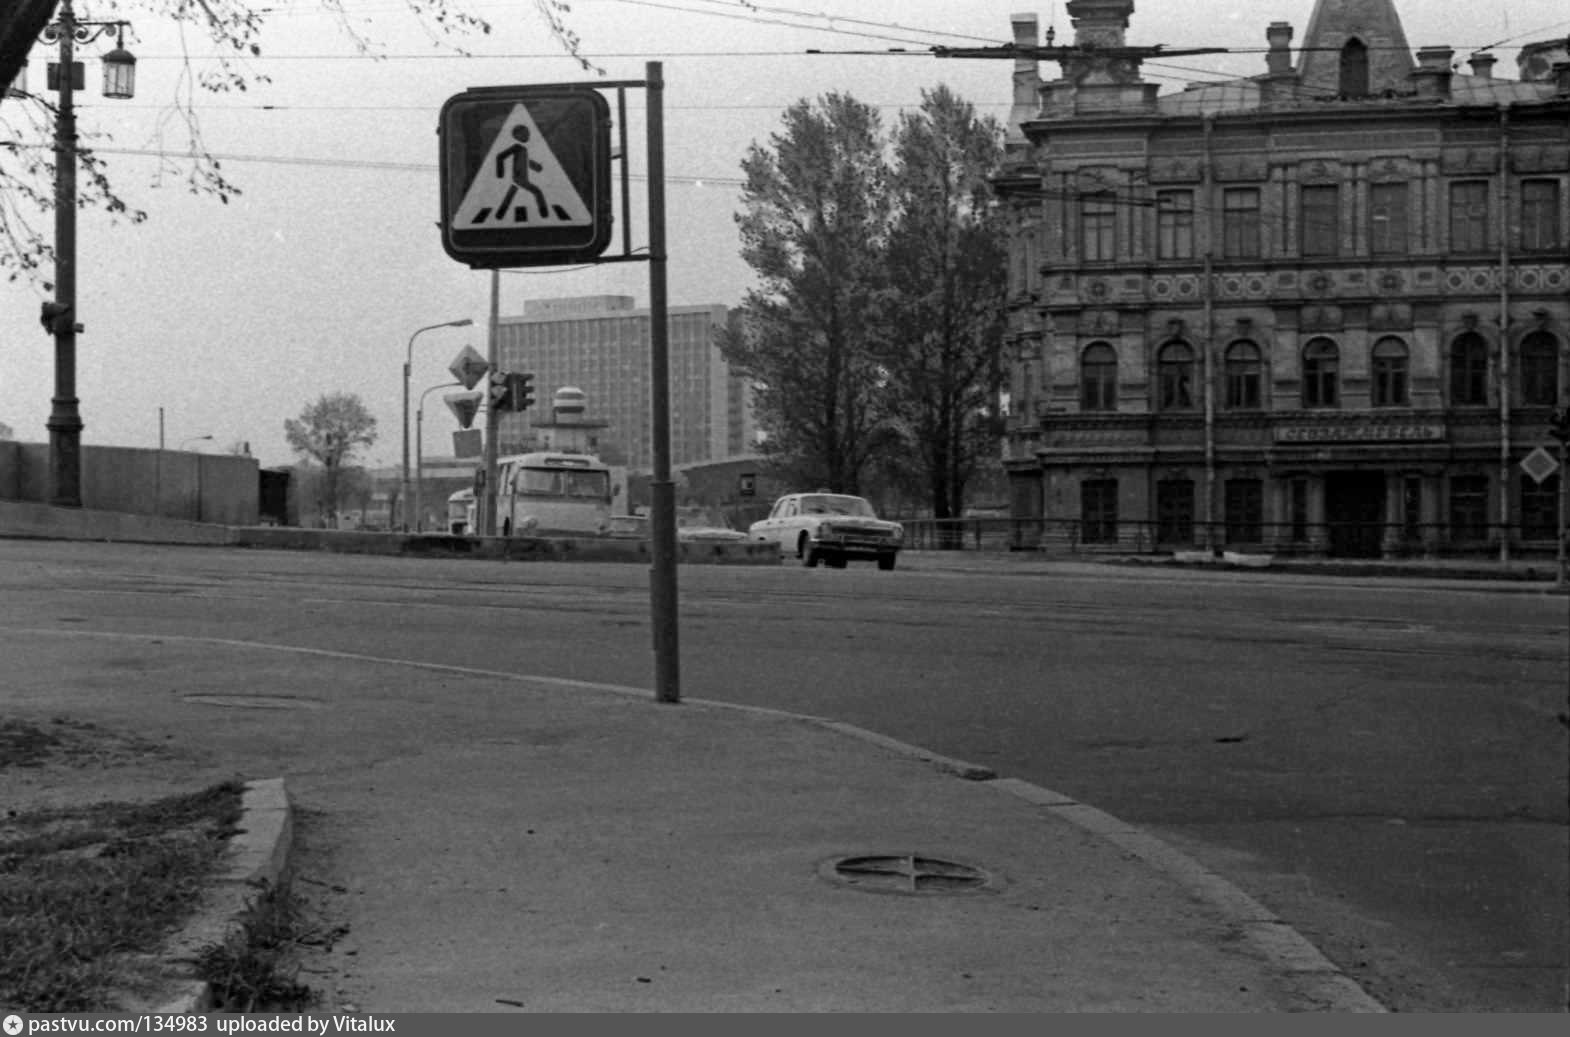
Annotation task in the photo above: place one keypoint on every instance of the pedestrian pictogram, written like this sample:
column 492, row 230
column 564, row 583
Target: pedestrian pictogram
column 526, row 176
column 521, row 183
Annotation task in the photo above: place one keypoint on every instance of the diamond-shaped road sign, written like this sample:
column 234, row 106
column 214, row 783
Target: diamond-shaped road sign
column 1539, row 464
column 525, row 175
column 469, row 367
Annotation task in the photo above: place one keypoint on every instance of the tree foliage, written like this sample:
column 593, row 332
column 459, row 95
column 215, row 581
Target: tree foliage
column 237, row 27
column 947, row 260
column 874, row 335
column 815, row 223
column 329, row 432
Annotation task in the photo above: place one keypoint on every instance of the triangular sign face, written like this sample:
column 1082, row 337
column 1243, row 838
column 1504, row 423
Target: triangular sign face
column 521, row 184
column 464, row 406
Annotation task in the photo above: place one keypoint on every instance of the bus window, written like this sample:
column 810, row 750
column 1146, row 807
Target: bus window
column 540, row 480
column 588, row 484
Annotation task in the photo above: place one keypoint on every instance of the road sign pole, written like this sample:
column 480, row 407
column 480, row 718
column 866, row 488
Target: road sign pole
column 662, row 516
column 487, row 500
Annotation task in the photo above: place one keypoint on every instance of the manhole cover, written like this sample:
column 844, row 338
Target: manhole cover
column 255, row 701
column 907, row 873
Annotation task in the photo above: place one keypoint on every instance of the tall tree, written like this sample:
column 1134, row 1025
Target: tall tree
column 815, row 219
column 236, row 26
column 329, row 431
column 943, row 310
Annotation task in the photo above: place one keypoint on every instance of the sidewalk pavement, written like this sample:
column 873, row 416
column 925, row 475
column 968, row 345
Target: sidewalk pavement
column 489, row 842
column 621, row 855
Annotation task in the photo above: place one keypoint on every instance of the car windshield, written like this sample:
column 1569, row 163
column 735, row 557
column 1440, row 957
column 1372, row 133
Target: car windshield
column 826, row 504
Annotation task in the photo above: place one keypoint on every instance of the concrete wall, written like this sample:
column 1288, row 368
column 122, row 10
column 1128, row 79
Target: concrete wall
column 176, row 484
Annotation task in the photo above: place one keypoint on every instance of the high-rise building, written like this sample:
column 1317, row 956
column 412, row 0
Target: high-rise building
column 1321, row 309
column 600, row 344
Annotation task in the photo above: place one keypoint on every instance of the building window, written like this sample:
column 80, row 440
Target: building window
column 1540, row 215
column 1539, row 508
column 1174, row 224
column 1539, row 370
column 1321, row 373
column 1175, row 367
column 1245, row 503
column 1388, row 365
column 1387, row 220
column 1098, row 511
column 1354, row 69
column 1098, row 227
column 1468, row 370
column 1321, row 212
column 1240, row 223
column 1469, row 507
column 1297, row 507
column 1469, row 216
column 1242, row 366
column 1098, row 378
column 1175, row 511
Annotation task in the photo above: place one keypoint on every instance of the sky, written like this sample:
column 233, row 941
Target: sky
column 223, row 321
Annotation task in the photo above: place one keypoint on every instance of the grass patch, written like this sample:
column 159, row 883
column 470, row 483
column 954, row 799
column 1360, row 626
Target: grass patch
column 84, row 889
column 255, row 968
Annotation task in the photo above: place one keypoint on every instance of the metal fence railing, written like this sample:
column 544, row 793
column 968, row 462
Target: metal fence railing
column 1331, row 539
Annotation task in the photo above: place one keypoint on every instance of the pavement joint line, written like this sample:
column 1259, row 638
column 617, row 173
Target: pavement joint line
column 1269, row 936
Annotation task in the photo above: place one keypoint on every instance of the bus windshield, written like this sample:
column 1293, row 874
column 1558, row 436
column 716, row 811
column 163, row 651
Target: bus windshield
column 564, row 482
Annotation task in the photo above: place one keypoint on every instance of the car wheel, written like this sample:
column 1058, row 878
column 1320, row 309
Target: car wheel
column 886, row 562
column 835, row 561
column 806, row 552
column 506, row 527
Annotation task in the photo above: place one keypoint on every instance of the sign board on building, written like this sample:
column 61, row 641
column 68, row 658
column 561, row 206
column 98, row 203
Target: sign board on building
column 525, row 175
column 1539, row 464
column 1359, row 432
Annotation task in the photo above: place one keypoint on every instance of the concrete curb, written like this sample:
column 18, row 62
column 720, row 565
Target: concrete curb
column 1312, row 976
column 259, row 859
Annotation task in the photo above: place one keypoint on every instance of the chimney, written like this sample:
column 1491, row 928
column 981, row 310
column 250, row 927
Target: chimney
column 1279, row 61
column 1433, row 72
column 1027, row 78
column 1482, row 64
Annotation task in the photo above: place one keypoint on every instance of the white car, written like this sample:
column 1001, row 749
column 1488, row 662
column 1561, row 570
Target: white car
column 829, row 527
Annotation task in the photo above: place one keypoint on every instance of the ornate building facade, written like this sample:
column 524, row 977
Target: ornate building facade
column 1324, row 309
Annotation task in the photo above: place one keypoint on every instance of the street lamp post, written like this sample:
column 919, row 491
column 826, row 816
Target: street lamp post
column 419, row 452
column 408, row 360
column 59, row 316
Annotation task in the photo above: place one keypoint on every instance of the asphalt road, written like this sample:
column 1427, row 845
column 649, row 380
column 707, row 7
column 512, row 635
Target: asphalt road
column 1381, row 764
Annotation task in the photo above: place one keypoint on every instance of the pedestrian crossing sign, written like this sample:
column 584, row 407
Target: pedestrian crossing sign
column 525, row 176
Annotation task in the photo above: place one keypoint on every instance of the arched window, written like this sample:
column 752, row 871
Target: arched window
column 1321, row 373
column 1539, row 370
column 1243, row 376
column 1098, row 378
column 1354, row 69
column 1388, row 364
column 1175, row 367
column 1468, row 370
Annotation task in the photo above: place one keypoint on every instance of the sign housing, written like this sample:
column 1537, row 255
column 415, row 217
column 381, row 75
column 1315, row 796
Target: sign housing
column 525, row 176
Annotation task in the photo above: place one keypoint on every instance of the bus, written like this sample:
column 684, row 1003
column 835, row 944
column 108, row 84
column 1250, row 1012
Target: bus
column 553, row 492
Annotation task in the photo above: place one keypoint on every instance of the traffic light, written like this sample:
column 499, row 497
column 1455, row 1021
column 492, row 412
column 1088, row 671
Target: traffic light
column 500, row 390
column 521, row 390
column 1560, row 427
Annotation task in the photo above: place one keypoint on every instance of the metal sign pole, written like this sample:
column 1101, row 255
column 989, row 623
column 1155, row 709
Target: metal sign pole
column 487, row 497
column 662, row 516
